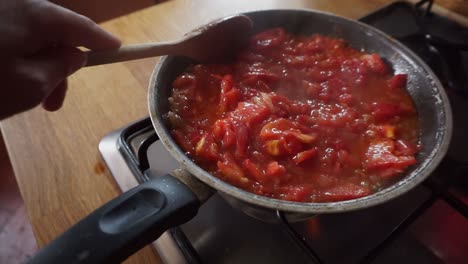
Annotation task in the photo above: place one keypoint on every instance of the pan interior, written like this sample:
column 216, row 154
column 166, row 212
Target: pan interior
column 426, row 91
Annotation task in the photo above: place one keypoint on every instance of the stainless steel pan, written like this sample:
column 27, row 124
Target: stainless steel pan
column 137, row 217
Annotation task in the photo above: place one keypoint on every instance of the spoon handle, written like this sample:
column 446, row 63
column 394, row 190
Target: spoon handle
column 130, row 52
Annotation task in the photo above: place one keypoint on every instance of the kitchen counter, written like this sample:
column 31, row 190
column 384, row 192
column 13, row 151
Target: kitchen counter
column 55, row 158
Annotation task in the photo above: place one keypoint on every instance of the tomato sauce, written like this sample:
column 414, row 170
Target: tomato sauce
column 298, row 118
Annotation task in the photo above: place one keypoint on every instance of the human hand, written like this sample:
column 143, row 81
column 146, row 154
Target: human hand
column 38, row 41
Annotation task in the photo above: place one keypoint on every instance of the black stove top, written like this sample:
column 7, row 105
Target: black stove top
column 426, row 225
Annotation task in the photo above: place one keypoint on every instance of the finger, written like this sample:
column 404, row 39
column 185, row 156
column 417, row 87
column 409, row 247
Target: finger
column 55, row 99
column 67, row 28
column 51, row 67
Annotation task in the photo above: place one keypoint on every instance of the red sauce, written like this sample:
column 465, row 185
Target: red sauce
column 298, row 118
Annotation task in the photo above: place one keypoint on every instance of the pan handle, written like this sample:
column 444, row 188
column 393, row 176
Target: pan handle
column 124, row 225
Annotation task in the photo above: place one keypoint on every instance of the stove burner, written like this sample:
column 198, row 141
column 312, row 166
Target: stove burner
column 364, row 236
column 423, row 18
column 444, row 40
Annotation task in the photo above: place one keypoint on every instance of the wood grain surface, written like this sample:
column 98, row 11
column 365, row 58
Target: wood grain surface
column 54, row 155
column 460, row 6
column 103, row 10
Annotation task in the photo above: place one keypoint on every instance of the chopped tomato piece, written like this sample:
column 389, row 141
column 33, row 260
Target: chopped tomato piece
column 293, row 146
column 219, row 128
column 275, row 170
column 385, row 111
column 405, row 148
column 229, row 95
column 388, row 173
column 276, row 147
column 304, row 138
column 261, row 74
column 222, row 130
column 305, row 155
column 284, row 127
column 268, row 39
column 230, row 169
column 398, row 81
column 226, row 83
column 186, row 82
column 387, row 131
column 229, row 99
column 229, row 138
column 250, row 113
column 273, row 130
column 375, row 63
column 256, row 84
column 242, row 135
column 264, row 99
column 283, row 146
column 207, row 148
column 254, row 171
column 380, row 156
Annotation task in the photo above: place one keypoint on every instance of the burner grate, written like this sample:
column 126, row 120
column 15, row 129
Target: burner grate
column 399, row 229
column 297, row 238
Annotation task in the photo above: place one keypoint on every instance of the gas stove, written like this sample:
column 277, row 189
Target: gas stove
column 427, row 225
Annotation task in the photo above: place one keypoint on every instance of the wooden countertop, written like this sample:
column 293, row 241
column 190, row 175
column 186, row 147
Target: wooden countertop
column 55, row 157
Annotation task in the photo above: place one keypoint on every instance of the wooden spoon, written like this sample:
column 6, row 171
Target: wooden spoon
column 215, row 42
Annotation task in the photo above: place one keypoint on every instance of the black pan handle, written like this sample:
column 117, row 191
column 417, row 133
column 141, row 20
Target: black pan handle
column 124, row 225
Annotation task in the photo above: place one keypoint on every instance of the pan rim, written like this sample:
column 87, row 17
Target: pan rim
column 409, row 182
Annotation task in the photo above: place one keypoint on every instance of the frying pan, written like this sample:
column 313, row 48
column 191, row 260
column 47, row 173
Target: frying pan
column 119, row 228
